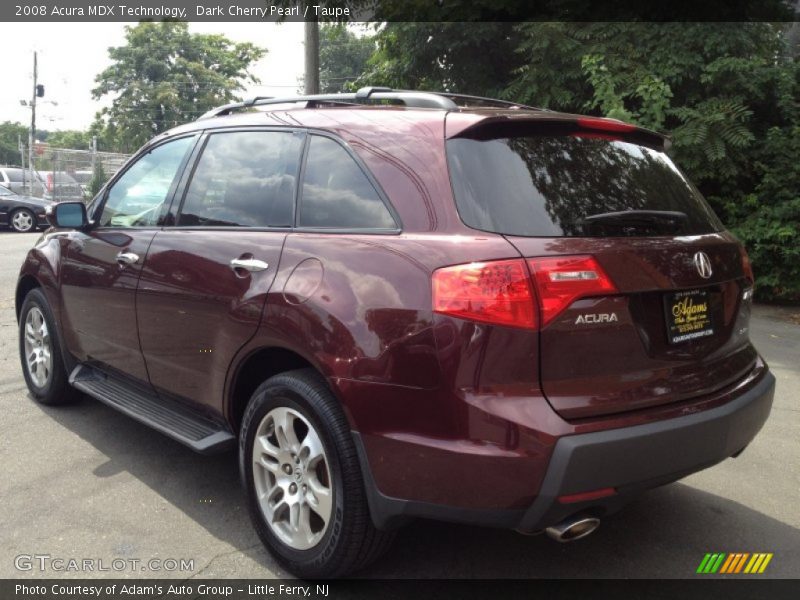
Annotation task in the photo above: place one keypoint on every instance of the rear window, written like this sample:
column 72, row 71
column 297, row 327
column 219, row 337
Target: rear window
column 551, row 186
column 59, row 177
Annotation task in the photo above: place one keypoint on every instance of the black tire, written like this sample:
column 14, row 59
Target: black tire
column 57, row 389
column 350, row 541
column 25, row 212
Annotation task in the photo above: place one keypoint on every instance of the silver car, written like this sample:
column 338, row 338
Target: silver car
column 17, row 180
column 60, row 186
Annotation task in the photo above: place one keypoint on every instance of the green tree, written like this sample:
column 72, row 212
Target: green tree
column 10, row 134
column 99, row 179
column 470, row 58
column 343, row 56
column 164, row 76
column 78, row 140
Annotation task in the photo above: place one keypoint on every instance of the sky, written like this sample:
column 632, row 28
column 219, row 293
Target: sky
column 70, row 55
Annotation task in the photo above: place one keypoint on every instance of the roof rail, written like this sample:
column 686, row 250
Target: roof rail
column 483, row 101
column 370, row 95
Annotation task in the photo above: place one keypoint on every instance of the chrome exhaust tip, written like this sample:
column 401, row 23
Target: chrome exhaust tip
column 573, row 528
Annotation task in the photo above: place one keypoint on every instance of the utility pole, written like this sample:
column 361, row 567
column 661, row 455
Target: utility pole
column 94, row 153
column 32, row 137
column 312, row 57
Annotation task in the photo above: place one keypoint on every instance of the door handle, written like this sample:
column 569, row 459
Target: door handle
column 127, row 258
column 249, row 264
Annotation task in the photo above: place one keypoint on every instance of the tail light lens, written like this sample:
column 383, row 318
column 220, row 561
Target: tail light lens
column 500, row 292
column 563, row 279
column 605, row 124
column 747, row 268
column 49, row 182
column 497, row 292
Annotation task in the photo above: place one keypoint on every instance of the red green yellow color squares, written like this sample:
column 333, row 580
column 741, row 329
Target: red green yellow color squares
column 735, row 562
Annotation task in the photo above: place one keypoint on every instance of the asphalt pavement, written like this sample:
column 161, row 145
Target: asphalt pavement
column 85, row 482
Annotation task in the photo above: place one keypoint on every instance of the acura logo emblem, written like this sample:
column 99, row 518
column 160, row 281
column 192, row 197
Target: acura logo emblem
column 703, row 264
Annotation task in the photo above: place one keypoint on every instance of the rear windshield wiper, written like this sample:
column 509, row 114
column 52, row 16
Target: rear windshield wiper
column 668, row 221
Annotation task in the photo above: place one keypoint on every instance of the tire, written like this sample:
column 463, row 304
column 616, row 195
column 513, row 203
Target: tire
column 48, row 382
column 347, row 541
column 23, row 220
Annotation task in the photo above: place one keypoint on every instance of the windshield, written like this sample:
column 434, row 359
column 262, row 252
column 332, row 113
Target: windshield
column 551, row 186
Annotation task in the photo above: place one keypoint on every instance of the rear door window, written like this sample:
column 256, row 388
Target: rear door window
column 337, row 194
column 244, row 179
column 573, row 185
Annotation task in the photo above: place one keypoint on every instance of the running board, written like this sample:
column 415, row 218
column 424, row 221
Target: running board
column 167, row 416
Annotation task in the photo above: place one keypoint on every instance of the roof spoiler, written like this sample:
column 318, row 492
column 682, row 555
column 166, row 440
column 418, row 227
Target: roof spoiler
column 563, row 123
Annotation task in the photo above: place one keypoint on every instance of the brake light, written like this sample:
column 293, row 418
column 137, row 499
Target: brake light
column 747, row 268
column 604, row 124
column 497, row 292
column 49, row 182
column 502, row 292
column 561, row 280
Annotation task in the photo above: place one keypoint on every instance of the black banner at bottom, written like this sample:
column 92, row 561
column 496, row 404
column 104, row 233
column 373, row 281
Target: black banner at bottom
column 277, row 589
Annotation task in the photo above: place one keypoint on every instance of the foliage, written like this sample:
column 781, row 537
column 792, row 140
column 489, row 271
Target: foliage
column 768, row 220
column 98, row 180
column 164, row 76
column 476, row 58
column 10, row 134
column 343, row 57
column 78, row 140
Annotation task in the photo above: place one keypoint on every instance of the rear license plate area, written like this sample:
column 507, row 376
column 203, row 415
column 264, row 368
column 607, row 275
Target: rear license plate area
column 689, row 315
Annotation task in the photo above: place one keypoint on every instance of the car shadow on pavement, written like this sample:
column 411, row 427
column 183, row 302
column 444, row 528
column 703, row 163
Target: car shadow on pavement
column 663, row 534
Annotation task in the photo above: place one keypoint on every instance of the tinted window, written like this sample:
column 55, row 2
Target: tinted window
column 137, row 198
column 548, row 185
column 244, row 178
column 337, row 193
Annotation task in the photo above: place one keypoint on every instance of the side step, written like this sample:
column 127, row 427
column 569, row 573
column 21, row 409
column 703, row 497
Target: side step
column 167, row 416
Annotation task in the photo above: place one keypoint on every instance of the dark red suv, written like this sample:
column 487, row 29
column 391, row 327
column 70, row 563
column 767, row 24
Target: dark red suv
column 405, row 304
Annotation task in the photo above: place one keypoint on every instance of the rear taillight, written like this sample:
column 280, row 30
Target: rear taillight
column 496, row 292
column 604, row 124
column 500, row 292
column 49, row 182
column 747, row 268
column 561, row 280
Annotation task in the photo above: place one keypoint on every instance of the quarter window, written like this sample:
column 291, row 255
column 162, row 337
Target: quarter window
column 336, row 192
column 137, row 198
column 244, row 179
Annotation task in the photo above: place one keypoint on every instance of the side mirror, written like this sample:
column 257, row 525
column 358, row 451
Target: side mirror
column 68, row 215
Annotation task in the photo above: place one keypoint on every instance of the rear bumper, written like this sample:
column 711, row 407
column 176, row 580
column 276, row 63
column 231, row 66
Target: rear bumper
column 628, row 459
column 644, row 456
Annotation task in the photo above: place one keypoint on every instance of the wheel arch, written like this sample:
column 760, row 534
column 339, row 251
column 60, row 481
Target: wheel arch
column 256, row 367
column 25, row 284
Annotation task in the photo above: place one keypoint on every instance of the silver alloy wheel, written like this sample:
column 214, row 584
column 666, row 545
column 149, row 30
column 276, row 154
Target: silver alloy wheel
column 292, row 478
column 38, row 349
column 22, row 221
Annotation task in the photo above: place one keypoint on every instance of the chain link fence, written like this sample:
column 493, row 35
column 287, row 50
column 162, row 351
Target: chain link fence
column 67, row 174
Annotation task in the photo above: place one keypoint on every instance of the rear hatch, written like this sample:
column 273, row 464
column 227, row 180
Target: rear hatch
column 61, row 186
column 643, row 296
